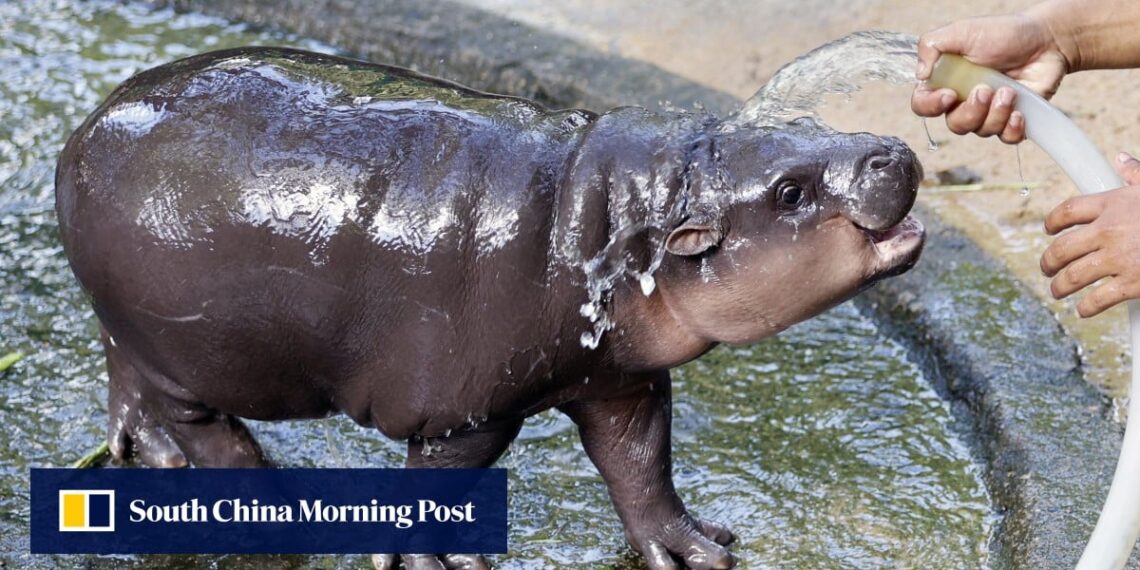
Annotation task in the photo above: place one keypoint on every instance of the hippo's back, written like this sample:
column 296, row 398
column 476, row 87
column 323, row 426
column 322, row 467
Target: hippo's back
column 258, row 135
column 284, row 211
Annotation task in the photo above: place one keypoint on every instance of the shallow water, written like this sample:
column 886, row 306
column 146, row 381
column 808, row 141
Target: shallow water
column 822, row 448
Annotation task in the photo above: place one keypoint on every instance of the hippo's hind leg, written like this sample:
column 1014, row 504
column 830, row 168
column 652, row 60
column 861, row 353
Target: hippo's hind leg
column 132, row 431
column 474, row 448
column 210, row 438
column 628, row 439
column 164, row 426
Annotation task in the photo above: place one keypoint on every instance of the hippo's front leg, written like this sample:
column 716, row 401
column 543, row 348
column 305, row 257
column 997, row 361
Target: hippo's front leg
column 628, row 439
column 470, row 448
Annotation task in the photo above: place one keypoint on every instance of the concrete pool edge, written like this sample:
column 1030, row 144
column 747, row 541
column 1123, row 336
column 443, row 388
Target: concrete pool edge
column 474, row 47
column 1041, row 432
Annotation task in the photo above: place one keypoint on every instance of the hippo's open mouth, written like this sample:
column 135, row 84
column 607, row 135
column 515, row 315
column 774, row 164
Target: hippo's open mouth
column 898, row 246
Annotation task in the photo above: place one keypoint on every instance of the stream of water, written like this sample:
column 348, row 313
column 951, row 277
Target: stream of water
column 839, row 67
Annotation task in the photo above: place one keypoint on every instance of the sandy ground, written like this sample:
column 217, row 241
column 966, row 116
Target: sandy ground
column 735, row 46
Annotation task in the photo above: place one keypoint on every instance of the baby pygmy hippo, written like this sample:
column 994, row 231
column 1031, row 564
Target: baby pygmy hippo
column 273, row 234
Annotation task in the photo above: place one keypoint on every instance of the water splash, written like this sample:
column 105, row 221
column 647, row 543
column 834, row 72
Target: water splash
column 613, row 263
column 840, row 67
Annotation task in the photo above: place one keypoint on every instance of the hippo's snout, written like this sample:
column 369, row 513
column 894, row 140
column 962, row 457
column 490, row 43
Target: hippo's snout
column 885, row 185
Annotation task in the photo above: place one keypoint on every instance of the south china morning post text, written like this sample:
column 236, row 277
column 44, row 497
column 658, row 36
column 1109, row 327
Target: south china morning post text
column 402, row 516
column 288, row 511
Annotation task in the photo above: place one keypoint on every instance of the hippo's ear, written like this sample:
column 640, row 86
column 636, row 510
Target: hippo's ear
column 693, row 237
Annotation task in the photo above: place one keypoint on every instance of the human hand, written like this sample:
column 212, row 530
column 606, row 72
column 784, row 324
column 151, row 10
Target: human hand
column 1019, row 45
column 1106, row 244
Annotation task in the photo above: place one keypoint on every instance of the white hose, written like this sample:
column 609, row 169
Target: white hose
column 1118, row 527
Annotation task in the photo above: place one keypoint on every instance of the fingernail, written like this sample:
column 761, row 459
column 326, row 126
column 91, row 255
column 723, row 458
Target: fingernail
column 1004, row 97
column 983, row 95
column 1123, row 157
column 1016, row 120
column 921, row 73
column 948, row 99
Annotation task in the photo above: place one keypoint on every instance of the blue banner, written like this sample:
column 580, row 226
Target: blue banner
column 282, row 511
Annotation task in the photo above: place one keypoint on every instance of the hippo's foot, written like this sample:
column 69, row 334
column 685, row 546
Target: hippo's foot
column 161, row 429
column 475, row 447
column 430, row 562
column 132, row 432
column 699, row 544
column 627, row 438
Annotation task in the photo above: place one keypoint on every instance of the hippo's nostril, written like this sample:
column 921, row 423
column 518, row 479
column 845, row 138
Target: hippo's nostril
column 880, row 162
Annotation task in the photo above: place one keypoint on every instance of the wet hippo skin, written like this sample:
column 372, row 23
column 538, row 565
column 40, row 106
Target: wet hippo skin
column 274, row 234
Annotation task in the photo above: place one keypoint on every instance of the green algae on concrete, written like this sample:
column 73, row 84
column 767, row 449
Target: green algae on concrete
column 1103, row 340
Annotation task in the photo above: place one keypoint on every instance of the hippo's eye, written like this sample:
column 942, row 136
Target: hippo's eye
column 790, row 196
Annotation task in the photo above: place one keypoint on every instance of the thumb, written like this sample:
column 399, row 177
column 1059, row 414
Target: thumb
column 1128, row 167
column 951, row 38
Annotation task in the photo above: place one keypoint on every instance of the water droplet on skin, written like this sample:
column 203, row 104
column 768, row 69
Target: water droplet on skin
column 648, row 284
column 590, row 311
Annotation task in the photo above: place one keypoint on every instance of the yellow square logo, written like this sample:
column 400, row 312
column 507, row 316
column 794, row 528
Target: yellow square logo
column 86, row 510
